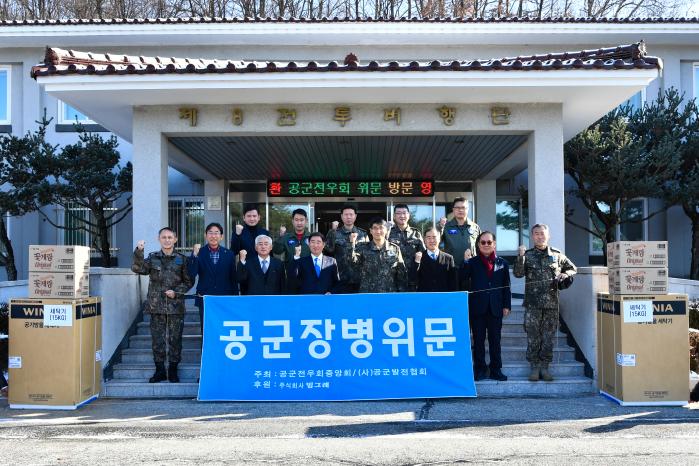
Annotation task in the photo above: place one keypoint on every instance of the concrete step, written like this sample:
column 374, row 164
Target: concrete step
column 515, row 386
column 116, row 389
column 142, row 372
column 145, row 341
column 520, row 386
column 190, row 315
column 190, row 371
column 190, row 328
column 192, row 355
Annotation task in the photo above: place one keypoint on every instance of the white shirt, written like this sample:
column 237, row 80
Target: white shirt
column 320, row 260
column 268, row 259
column 435, row 253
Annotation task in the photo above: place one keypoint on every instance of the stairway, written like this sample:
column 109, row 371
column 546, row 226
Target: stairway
column 131, row 375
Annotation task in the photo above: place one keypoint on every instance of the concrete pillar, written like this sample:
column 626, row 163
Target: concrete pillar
column 150, row 190
column 216, row 193
column 545, row 172
column 485, row 191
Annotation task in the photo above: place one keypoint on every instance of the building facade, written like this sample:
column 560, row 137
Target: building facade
column 314, row 114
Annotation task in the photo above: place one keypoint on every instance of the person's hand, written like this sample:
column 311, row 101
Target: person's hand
column 170, row 294
column 195, row 249
column 327, row 293
column 505, row 312
column 353, row 238
column 282, row 230
column 297, row 251
column 335, row 225
column 442, row 221
column 418, row 257
column 140, row 245
column 522, row 249
column 467, row 254
column 238, row 229
column 243, row 254
column 561, row 277
column 389, row 225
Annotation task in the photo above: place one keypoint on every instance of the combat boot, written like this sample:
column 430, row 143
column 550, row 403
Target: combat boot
column 172, row 373
column 160, row 373
column 545, row 374
column 534, row 375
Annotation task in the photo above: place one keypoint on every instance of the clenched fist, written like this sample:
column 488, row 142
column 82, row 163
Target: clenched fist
column 297, row 251
column 353, row 238
column 282, row 230
column 467, row 254
column 239, row 229
column 140, row 245
column 335, row 225
column 418, row 257
column 522, row 249
column 243, row 254
column 195, row 249
column 442, row 221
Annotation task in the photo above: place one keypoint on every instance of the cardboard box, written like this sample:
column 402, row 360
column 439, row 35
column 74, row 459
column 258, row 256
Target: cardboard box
column 642, row 349
column 637, row 254
column 635, row 281
column 59, row 285
column 55, row 352
column 66, row 259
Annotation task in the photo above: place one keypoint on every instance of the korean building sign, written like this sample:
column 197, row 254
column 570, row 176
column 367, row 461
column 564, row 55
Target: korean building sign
column 336, row 347
column 415, row 188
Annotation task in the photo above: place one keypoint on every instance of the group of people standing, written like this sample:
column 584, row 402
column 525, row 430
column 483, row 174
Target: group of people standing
column 391, row 257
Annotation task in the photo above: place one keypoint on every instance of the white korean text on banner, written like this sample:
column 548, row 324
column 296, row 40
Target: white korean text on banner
column 336, row 347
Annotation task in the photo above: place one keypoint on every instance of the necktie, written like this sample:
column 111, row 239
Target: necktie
column 317, row 268
column 264, row 266
column 433, row 256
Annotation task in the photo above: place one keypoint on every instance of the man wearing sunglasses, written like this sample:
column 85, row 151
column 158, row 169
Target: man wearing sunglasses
column 546, row 270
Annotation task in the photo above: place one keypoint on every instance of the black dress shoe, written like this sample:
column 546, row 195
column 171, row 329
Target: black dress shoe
column 498, row 375
column 480, row 375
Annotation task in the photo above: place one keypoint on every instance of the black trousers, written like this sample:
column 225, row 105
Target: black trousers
column 482, row 324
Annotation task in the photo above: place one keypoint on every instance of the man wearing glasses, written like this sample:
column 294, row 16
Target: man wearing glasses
column 459, row 233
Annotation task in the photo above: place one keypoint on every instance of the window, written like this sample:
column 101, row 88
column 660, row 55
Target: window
column 186, row 217
column 637, row 100
column 636, row 230
column 67, row 115
column 512, row 224
column 75, row 216
column 695, row 80
column 5, row 93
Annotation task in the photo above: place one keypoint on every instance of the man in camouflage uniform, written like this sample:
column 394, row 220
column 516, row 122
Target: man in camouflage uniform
column 379, row 263
column 459, row 234
column 337, row 245
column 169, row 281
column 543, row 268
column 409, row 239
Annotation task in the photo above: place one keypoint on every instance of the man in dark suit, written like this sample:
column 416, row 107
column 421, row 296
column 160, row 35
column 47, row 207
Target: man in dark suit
column 314, row 274
column 434, row 270
column 489, row 300
column 262, row 274
column 215, row 267
column 244, row 235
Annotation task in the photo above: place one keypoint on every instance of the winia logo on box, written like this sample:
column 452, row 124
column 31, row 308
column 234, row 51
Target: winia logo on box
column 33, row 311
column 662, row 307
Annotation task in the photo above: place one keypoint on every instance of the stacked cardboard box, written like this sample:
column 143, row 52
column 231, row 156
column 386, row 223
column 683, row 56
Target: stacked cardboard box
column 55, row 352
column 642, row 356
column 61, row 272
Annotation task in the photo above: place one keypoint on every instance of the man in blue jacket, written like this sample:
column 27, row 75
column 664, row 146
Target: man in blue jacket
column 215, row 267
column 487, row 277
column 314, row 274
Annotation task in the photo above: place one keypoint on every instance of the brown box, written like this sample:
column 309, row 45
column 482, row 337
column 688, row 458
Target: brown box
column 59, row 285
column 643, row 363
column 634, row 281
column 637, row 254
column 56, row 366
column 67, row 259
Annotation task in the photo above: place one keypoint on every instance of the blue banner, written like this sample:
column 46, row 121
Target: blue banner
column 336, row 347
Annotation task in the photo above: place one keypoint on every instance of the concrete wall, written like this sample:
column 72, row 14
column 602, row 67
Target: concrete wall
column 122, row 292
column 578, row 308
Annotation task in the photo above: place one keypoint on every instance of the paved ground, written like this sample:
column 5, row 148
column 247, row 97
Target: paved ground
column 585, row 430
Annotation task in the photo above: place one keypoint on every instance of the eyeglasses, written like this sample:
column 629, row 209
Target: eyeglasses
column 483, row 242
